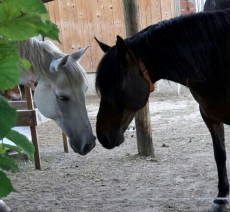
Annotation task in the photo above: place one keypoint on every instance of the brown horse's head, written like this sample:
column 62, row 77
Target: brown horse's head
column 13, row 94
column 123, row 91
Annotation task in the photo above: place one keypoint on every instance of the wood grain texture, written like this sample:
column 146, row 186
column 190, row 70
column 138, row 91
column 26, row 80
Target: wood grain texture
column 84, row 33
column 53, row 9
column 80, row 21
column 166, row 12
column 65, row 28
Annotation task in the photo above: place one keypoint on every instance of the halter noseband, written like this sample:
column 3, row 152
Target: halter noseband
column 141, row 67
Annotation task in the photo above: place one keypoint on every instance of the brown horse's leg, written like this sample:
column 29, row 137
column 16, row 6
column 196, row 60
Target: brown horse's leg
column 217, row 132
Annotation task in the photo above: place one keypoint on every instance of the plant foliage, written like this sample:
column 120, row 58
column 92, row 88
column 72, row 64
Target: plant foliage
column 19, row 20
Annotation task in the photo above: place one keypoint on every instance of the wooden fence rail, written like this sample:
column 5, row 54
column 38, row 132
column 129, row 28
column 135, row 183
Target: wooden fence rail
column 80, row 21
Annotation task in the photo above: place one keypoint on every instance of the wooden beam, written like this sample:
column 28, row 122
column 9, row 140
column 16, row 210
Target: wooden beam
column 30, row 105
column 26, row 118
column 19, row 105
column 142, row 120
column 65, row 143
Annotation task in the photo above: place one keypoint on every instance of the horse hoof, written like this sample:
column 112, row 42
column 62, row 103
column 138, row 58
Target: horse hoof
column 4, row 207
column 219, row 207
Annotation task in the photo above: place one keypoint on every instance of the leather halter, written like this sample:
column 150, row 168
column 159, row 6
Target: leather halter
column 141, row 67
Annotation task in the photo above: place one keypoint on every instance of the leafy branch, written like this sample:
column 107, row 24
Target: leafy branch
column 19, row 20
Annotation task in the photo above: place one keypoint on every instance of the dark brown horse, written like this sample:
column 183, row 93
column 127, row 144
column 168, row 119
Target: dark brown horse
column 212, row 5
column 192, row 50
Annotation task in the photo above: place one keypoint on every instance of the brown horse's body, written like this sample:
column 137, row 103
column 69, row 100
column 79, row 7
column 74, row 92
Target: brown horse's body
column 191, row 50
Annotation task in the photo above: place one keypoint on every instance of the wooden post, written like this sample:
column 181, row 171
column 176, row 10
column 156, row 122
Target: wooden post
column 142, row 120
column 65, row 143
column 30, row 106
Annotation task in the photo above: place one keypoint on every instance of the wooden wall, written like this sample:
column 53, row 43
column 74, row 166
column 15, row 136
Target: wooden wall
column 80, row 21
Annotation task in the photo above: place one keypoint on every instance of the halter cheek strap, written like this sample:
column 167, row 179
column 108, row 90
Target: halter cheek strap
column 141, row 67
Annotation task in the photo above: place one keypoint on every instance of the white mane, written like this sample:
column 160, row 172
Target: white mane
column 42, row 53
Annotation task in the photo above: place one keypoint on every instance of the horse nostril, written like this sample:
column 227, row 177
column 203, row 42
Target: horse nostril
column 88, row 147
column 85, row 149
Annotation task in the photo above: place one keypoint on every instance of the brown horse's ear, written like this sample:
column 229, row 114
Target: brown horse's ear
column 104, row 47
column 121, row 47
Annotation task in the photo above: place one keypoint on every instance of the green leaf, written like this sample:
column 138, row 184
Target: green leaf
column 11, row 9
column 24, row 64
column 7, row 117
column 33, row 24
column 53, row 32
column 22, row 142
column 5, row 185
column 31, row 15
column 13, row 148
column 9, row 70
column 2, row 149
column 8, row 164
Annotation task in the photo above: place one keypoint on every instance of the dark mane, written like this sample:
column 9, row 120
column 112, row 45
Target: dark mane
column 196, row 46
column 111, row 74
column 172, row 46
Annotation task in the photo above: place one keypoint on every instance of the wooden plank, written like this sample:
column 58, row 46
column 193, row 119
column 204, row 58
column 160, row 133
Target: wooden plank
column 173, row 13
column 94, row 12
column 145, row 13
column 37, row 159
column 83, row 34
column 55, row 18
column 19, row 105
column 22, row 105
column 64, row 17
column 108, row 24
column 91, row 30
column 26, row 118
column 29, row 98
column 101, row 21
column 166, row 9
column 47, row 7
column 33, row 131
column 73, row 25
column 65, row 143
column 80, row 20
column 118, row 18
column 156, row 11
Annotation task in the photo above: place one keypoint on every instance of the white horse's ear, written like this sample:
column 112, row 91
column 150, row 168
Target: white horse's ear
column 55, row 64
column 63, row 61
column 78, row 54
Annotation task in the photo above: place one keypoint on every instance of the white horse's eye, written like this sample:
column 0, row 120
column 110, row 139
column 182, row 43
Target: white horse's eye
column 64, row 98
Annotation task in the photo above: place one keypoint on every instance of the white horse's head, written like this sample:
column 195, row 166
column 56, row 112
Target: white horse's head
column 60, row 95
column 60, row 85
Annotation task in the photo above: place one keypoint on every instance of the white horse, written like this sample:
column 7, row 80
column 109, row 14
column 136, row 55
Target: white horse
column 59, row 86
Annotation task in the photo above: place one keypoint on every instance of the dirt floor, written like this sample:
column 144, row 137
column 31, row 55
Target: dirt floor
column 182, row 177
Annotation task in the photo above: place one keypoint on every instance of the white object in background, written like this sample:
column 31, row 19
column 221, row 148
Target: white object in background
column 23, row 130
column 40, row 118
